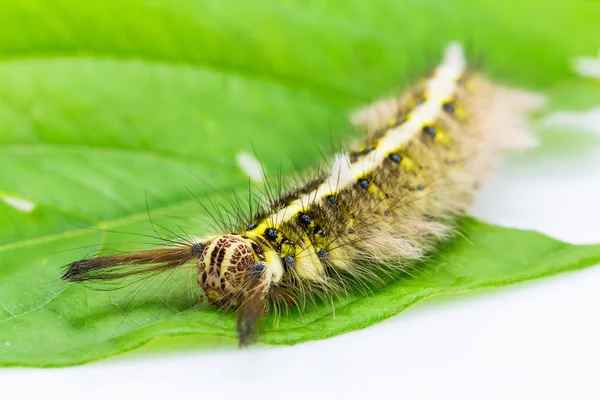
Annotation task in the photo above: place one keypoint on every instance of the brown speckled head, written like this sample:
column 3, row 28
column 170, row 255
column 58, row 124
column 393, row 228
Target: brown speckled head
column 225, row 268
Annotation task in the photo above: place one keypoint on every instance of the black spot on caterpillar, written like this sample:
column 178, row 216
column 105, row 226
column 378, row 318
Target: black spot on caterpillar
column 382, row 206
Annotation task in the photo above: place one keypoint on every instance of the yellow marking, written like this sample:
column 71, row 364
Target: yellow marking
column 288, row 249
column 212, row 295
column 420, row 98
column 460, row 112
column 442, row 137
column 320, row 241
column 373, row 189
column 376, row 192
column 286, row 213
column 408, row 163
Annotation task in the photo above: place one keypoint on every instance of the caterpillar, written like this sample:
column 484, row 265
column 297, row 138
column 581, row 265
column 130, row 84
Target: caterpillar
column 375, row 210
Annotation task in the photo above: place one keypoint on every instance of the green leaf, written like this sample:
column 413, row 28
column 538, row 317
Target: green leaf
column 104, row 102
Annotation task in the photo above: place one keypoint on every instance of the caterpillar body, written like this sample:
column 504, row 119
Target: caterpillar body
column 376, row 209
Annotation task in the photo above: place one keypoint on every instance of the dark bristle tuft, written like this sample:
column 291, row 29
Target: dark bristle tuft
column 127, row 264
column 77, row 270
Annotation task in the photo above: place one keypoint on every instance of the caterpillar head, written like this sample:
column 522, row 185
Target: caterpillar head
column 235, row 273
column 230, row 266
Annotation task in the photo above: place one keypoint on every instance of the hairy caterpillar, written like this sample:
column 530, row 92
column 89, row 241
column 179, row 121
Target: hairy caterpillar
column 376, row 209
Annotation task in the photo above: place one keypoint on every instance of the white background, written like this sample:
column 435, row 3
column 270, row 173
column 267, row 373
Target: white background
column 535, row 340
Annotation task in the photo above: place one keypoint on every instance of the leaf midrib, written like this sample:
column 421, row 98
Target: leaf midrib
column 286, row 81
column 100, row 226
column 121, row 151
